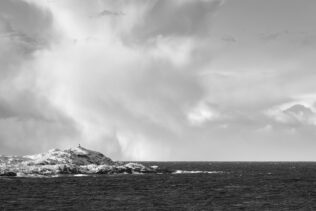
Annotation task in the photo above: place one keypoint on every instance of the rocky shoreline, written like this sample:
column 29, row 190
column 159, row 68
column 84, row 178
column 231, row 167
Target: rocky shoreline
column 72, row 161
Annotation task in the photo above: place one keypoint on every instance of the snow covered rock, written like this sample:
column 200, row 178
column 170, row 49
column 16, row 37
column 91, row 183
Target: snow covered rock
column 74, row 156
column 71, row 161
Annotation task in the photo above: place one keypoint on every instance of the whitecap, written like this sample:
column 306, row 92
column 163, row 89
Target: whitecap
column 196, row 172
column 80, row 175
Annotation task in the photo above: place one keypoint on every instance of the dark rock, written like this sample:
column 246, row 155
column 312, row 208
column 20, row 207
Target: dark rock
column 148, row 171
column 8, row 174
column 119, row 170
column 129, row 170
column 66, row 169
column 164, row 171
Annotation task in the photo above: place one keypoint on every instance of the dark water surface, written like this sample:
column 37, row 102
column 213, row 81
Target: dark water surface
column 241, row 186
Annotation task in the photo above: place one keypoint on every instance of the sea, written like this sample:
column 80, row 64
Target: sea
column 195, row 186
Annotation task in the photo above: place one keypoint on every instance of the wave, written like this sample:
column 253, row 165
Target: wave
column 197, row 172
column 80, row 175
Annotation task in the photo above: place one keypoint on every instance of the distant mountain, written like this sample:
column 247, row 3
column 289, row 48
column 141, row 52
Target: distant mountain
column 76, row 160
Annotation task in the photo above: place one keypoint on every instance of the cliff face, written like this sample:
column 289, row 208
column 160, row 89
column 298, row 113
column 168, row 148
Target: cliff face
column 70, row 161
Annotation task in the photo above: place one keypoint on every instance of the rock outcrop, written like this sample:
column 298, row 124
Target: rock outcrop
column 73, row 156
column 69, row 162
column 8, row 174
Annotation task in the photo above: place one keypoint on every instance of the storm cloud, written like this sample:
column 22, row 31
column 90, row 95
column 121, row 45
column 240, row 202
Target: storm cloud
column 158, row 80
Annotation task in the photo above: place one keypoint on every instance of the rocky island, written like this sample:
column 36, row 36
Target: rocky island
column 73, row 161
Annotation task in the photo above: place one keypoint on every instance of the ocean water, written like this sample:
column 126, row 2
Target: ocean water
column 227, row 186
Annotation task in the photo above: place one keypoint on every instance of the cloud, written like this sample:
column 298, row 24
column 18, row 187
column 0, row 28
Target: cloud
column 146, row 94
column 296, row 115
column 273, row 36
column 150, row 80
column 165, row 18
column 108, row 12
column 124, row 86
column 179, row 18
column 202, row 113
column 27, row 118
column 229, row 39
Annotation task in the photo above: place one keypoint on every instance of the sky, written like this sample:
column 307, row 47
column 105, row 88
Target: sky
column 215, row 80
